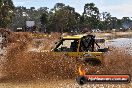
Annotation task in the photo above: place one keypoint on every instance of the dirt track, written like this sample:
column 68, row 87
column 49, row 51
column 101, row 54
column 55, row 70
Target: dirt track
column 60, row 84
column 28, row 70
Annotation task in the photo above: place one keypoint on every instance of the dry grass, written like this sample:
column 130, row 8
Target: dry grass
column 112, row 35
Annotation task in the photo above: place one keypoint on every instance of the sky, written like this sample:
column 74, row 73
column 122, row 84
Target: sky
column 117, row 8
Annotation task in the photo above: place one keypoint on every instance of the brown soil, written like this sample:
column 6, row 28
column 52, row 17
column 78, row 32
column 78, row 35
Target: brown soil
column 22, row 66
column 118, row 62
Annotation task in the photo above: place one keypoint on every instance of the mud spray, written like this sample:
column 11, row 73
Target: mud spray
column 21, row 64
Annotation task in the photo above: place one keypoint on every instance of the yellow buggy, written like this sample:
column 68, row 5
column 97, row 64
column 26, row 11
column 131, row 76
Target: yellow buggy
column 84, row 47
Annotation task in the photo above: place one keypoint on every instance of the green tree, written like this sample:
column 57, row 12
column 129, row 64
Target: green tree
column 63, row 18
column 58, row 6
column 44, row 21
column 126, row 22
column 119, row 24
column 6, row 13
column 113, row 23
column 106, row 20
column 91, row 15
column 0, row 3
column 10, row 3
column 1, row 13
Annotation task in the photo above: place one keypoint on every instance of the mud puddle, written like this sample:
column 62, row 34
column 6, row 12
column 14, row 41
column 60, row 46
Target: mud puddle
column 122, row 43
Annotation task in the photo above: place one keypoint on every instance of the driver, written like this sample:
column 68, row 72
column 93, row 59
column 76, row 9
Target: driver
column 74, row 46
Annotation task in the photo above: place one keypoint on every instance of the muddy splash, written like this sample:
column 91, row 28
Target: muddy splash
column 23, row 65
column 118, row 61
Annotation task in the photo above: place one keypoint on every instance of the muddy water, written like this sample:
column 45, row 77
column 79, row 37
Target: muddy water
column 124, row 43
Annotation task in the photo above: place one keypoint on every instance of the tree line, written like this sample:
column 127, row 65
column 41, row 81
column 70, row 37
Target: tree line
column 61, row 18
column 6, row 13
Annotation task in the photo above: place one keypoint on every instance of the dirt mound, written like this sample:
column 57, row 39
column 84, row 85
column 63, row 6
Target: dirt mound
column 5, row 35
column 4, row 31
column 41, row 65
column 14, row 37
column 16, row 44
column 22, row 64
column 33, row 65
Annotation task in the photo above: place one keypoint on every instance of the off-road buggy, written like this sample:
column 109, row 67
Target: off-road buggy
column 84, row 47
